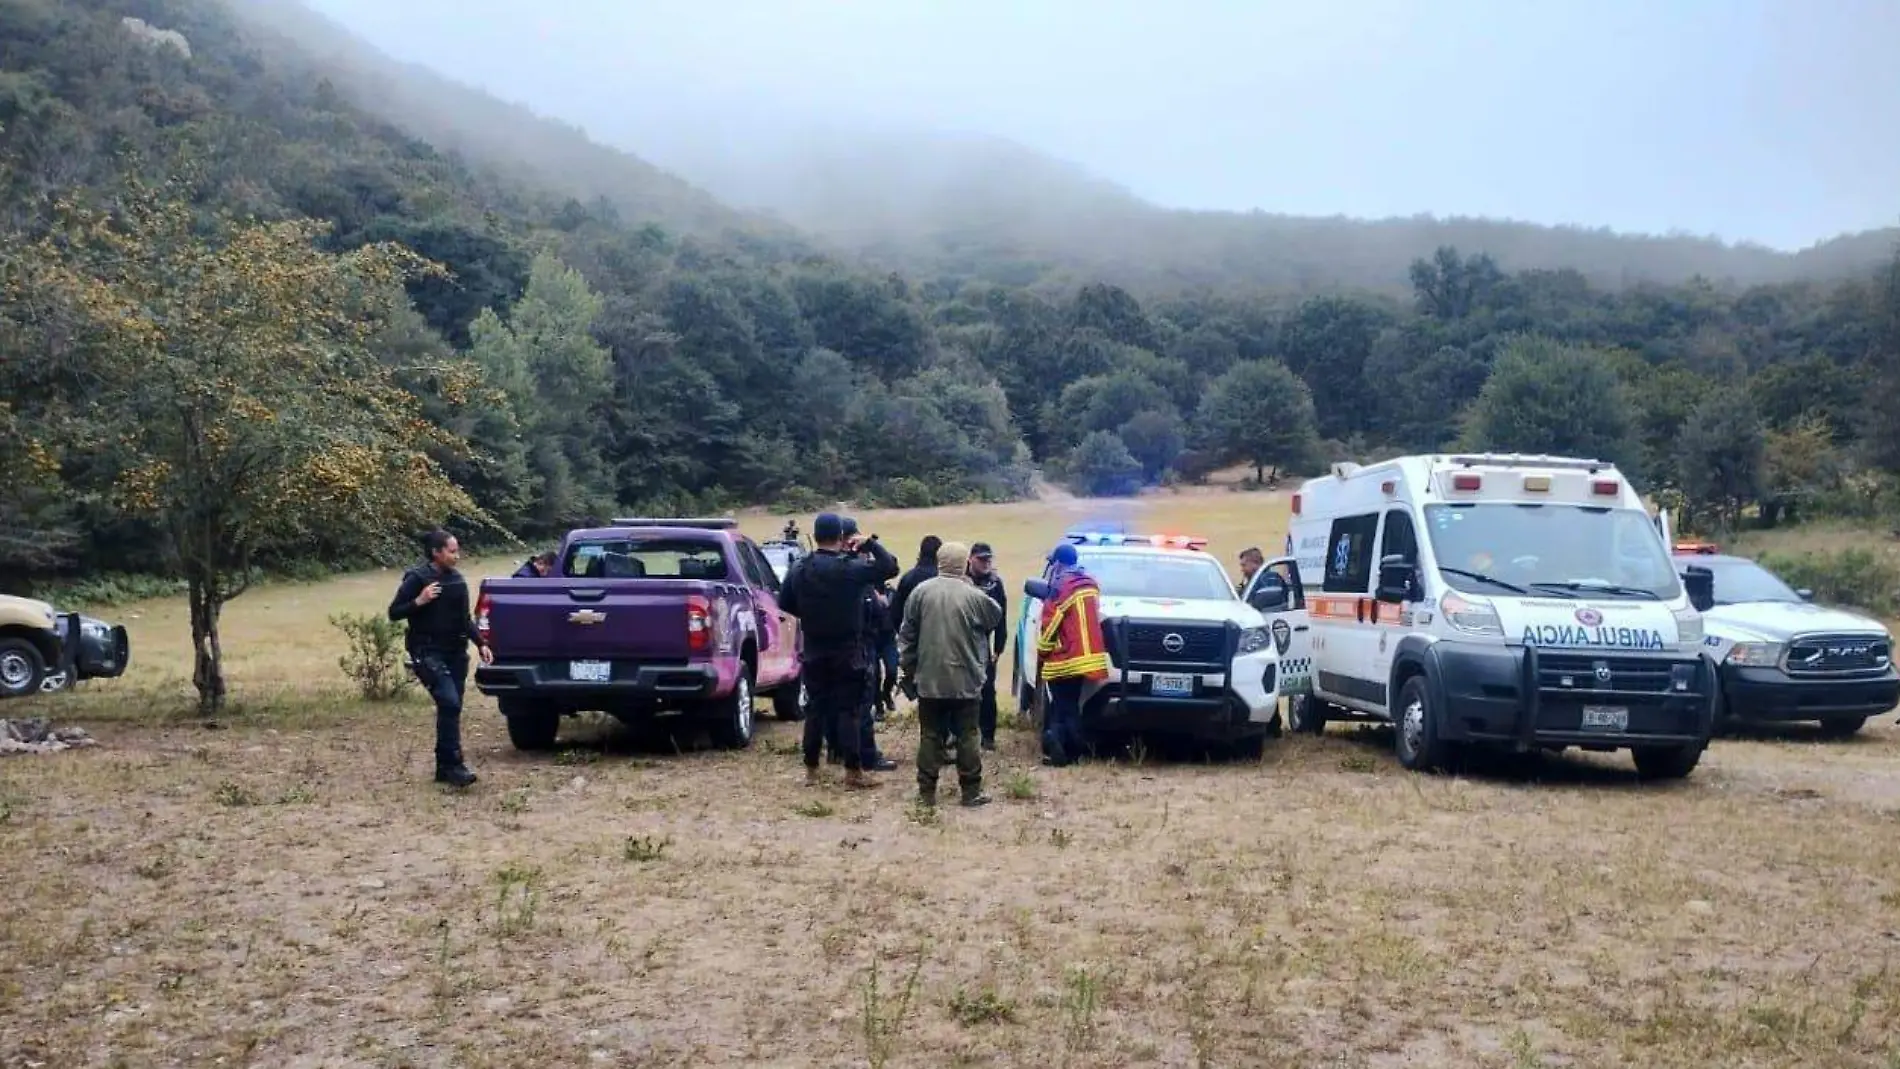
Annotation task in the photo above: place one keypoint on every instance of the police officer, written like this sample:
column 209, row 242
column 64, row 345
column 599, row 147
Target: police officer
column 826, row 593
column 433, row 598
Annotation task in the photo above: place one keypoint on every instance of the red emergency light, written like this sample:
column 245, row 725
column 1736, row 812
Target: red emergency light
column 1296, row 504
column 1605, row 487
column 1465, row 482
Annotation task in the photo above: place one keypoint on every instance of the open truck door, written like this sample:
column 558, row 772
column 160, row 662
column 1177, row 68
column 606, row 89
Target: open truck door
column 1277, row 594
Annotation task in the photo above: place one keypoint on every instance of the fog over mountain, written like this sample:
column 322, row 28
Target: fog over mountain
column 1291, row 145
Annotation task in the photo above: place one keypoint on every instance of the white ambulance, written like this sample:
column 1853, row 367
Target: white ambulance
column 1523, row 601
column 1187, row 657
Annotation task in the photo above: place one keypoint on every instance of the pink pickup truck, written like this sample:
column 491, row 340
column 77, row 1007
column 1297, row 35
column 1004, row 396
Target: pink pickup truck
column 642, row 619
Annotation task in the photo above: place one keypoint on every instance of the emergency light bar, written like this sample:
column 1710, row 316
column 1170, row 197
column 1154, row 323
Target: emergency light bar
column 1116, row 538
column 1527, row 460
column 1705, row 549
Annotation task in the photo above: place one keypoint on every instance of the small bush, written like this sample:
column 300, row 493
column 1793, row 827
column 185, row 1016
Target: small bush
column 1856, row 577
column 906, row 492
column 374, row 660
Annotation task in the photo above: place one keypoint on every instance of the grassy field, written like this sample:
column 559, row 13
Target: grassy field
column 289, row 889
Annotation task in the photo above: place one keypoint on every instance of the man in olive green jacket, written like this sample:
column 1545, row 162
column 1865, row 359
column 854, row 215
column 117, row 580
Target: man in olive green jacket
column 943, row 655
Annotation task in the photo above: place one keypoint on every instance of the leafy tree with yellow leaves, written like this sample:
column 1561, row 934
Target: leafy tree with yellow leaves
column 216, row 380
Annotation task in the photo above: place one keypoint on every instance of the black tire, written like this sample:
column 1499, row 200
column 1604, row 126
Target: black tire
column 732, row 716
column 21, row 668
column 1306, row 715
column 1415, row 729
column 1842, row 727
column 532, row 727
column 790, row 701
column 1250, row 747
column 1666, row 762
column 1721, row 724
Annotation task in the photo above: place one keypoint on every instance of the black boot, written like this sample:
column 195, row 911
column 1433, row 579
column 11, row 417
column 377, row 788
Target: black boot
column 454, row 772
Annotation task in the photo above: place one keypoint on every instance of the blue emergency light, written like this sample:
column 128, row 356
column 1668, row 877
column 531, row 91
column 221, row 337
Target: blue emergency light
column 1122, row 538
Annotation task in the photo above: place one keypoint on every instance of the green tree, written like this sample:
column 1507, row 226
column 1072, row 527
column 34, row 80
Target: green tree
column 557, row 377
column 1102, row 467
column 1154, row 438
column 225, row 392
column 1261, row 413
column 1544, row 396
column 1722, row 455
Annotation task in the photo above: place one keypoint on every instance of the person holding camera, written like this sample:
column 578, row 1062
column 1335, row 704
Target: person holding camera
column 826, row 594
column 433, row 598
column 876, row 615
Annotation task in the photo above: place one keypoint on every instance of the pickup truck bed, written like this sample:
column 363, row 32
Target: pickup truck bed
column 604, row 633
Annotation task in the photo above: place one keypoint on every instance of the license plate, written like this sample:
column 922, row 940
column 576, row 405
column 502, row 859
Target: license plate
column 1606, row 718
column 1172, row 686
column 590, row 671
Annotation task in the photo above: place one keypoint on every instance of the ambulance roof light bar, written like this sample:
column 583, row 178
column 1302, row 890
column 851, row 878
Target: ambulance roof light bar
column 1522, row 460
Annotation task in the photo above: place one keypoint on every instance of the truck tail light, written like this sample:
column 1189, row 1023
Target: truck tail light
column 1466, row 482
column 698, row 624
column 483, row 629
column 1605, row 487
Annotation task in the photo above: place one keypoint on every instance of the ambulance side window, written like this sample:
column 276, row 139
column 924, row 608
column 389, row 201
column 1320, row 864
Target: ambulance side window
column 1401, row 538
column 1349, row 555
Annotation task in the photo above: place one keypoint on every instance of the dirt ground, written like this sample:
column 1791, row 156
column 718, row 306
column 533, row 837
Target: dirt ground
column 287, row 888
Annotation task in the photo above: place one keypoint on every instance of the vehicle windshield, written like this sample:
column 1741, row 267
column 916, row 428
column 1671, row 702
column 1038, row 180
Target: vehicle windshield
column 1551, row 550
column 645, row 558
column 1158, row 575
column 781, row 557
column 1738, row 582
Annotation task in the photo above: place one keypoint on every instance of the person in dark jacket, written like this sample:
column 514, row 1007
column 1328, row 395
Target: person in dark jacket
column 826, row 593
column 886, row 651
column 433, row 598
column 984, row 575
column 924, row 569
column 536, row 567
column 876, row 617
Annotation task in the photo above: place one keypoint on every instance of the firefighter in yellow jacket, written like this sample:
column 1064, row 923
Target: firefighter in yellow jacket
column 1071, row 653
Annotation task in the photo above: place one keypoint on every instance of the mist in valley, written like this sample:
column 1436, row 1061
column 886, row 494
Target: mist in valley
column 1153, row 145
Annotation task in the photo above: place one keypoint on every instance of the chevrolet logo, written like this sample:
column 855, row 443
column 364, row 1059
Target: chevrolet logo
column 585, row 616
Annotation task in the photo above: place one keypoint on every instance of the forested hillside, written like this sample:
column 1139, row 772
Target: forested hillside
column 552, row 357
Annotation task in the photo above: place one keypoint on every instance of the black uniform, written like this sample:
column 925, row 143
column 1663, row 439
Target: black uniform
column 992, row 585
column 438, row 638
column 826, row 592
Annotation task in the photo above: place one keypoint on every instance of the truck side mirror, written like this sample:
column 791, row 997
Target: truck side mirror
column 1804, row 594
column 1270, row 594
column 1699, row 582
column 1398, row 579
column 1037, row 589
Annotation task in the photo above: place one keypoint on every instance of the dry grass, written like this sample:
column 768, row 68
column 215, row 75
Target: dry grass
column 291, row 890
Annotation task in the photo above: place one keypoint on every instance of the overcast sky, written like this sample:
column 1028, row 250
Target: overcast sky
column 1776, row 121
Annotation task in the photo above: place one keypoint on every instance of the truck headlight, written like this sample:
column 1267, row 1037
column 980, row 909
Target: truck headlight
column 1755, row 654
column 1689, row 627
column 1473, row 616
column 1254, row 639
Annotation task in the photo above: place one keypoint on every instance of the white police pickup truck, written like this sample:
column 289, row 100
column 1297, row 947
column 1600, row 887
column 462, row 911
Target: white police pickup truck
column 1187, row 657
column 1785, row 659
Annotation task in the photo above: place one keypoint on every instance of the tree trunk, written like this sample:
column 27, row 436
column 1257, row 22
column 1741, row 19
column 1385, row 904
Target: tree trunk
column 207, row 668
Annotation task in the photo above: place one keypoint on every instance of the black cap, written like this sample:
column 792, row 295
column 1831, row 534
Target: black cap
column 827, row 527
column 849, row 525
column 982, row 549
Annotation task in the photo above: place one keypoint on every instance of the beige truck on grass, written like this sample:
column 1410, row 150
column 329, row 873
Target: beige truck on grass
column 43, row 650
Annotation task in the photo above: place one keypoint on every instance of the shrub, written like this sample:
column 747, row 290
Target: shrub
column 375, row 658
column 1856, row 577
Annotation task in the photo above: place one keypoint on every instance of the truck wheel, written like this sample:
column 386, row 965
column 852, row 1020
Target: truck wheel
column 21, row 668
column 1666, row 762
column 789, row 703
column 1842, row 727
column 531, row 727
column 1306, row 715
column 732, row 715
column 1415, row 728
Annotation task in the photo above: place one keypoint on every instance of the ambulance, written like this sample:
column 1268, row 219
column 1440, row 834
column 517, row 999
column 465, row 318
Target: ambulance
column 1187, row 657
column 1527, row 602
